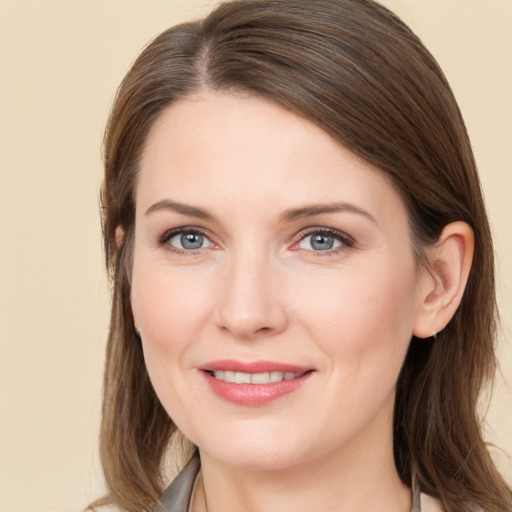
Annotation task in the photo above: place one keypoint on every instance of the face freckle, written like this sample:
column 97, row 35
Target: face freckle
column 297, row 256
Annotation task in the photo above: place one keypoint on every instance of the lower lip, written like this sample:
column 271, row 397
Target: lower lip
column 254, row 395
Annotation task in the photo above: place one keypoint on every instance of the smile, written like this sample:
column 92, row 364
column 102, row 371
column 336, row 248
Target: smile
column 255, row 378
column 256, row 383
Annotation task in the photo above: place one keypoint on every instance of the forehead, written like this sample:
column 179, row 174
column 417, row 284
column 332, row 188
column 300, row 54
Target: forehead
column 226, row 149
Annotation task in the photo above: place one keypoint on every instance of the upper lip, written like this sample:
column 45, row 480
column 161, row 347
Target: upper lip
column 253, row 366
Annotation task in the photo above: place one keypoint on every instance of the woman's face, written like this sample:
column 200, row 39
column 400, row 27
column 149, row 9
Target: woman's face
column 268, row 254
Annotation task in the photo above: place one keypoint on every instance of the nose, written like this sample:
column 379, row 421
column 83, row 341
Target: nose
column 251, row 304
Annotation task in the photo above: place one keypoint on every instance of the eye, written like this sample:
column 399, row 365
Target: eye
column 324, row 241
column 186, row 240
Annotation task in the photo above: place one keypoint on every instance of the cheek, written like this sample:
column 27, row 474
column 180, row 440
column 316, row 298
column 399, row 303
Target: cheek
column 363, row 319
column 165, row 302
column 170, row 309
column 363, row 327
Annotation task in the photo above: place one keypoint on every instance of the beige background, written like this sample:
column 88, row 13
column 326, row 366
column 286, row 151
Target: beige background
column 60, row 63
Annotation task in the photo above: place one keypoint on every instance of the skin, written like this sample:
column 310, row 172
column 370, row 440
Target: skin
column 256, row 290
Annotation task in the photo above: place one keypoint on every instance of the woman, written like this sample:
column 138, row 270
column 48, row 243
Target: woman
column 303, row 270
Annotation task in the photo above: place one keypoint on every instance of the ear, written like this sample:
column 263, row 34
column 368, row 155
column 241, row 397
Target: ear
column 119, row 237
column 444, row 279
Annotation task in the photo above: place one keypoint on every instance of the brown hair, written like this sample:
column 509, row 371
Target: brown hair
column 353, row 68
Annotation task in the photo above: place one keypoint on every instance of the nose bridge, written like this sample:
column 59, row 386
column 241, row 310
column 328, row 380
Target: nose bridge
column 250, row 304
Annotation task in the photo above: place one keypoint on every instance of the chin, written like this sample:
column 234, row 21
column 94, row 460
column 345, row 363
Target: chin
column 255, row 452
column 256, row 460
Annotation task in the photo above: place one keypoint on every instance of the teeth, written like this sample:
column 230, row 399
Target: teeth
column 254, row 378
column 228, row 376
column 260, row 378
column 276, row 376
column 242, row 378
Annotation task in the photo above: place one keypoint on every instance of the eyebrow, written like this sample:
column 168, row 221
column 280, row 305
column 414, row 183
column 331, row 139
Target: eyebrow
column 289, row 215
column 184, row 209
column 317, row 209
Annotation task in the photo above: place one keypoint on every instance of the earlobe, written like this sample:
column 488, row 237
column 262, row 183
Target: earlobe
column 443, row 283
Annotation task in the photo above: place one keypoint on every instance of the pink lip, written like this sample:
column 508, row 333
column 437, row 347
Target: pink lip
column 253, row 367
column 254, row 395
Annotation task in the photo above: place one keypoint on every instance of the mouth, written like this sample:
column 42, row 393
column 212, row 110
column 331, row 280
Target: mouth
column 254, row 384
column 254, row 378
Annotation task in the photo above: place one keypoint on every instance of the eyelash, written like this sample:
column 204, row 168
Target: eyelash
column 168, row 235
column 345, row 240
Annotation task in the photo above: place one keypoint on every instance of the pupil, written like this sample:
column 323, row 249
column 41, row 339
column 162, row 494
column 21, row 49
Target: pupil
column 322, row 242
column 191, row 240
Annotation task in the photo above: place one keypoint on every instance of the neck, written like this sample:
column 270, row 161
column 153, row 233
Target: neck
column 359, row 477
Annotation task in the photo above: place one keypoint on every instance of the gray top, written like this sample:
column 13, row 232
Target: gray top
column 176, row 498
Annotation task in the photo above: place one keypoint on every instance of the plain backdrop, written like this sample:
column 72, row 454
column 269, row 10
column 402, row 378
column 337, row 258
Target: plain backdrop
column 60, row 64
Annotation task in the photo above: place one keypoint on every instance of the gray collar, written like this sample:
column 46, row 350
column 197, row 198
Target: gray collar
column 176, row 498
